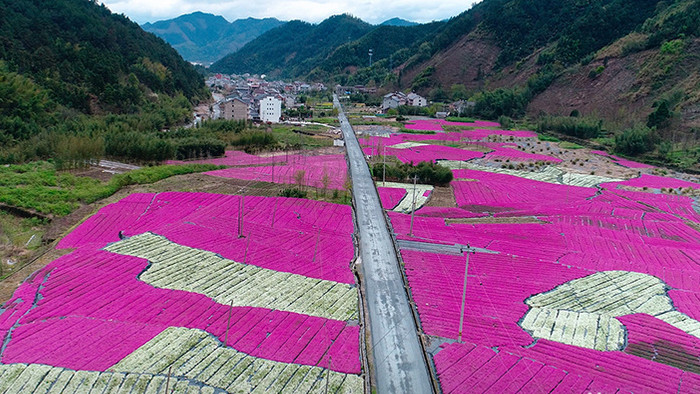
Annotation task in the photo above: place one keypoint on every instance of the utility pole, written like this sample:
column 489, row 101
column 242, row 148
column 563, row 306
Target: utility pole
column 464, row 294
column 384, row 168
column 371, row 52
column 318, row 238
column 413, row 210
column 240, row 218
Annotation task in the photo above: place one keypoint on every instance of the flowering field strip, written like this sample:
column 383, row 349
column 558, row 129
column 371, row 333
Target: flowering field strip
column 581, row 312
column 196, row 355
column 678, row 206
column 578, row 300
column 549, row 174
column 315, row 168
column 207, row 221
column 407, row 145
column 227, row 282
column 390, row 196
column 621, row 161
column 236, row 158
column 480, row 134
column 429, row 153
column 375, row 144
column 499, row 193
column 422, row 192
column 505, row 152
column 653, row 182
column 17, row 378
column 88, row 310
column 448, row 212
column 472, row 368
column 437, row 124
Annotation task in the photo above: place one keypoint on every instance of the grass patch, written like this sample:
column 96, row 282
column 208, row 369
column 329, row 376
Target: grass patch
column 286, row 137
column 327, row 120
column 38, row 186
column 408, row 131
column 569, row 145
column 549, row 138
column 459, row 119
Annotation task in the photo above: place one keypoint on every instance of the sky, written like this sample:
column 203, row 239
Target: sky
column 314, row 11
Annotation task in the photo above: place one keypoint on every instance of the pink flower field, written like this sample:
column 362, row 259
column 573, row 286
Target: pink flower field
column 654, row 182
column 236, row 158
column 562, row 233
column 621, row 161
column 315, row 169
column 430, row 153
column 88, row 310
column 505, row 151
column 436, row 124
column 390, row 196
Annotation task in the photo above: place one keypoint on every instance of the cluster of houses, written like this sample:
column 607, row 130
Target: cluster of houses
column 246, row 97
column 397, row 99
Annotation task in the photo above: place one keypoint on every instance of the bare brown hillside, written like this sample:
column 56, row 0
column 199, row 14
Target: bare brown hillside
column 627, row 86
column 469, row 61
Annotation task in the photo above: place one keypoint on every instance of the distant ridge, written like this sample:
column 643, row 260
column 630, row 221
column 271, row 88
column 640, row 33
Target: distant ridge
column 398, row 22
column 204, row 38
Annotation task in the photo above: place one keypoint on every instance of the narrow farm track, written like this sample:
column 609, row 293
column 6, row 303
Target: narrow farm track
column 396, row 355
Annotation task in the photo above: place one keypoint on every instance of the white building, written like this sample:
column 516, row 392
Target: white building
column 416, row 100
column 270, row 109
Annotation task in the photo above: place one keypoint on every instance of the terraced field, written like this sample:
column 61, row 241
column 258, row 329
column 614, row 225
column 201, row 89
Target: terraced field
column 584, row 278
column 190, row 290
column 591, row 280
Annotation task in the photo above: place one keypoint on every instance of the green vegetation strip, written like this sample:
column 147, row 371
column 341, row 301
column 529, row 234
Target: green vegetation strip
column 38, row 186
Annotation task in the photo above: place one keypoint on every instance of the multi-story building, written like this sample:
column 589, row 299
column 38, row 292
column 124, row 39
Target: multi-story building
column 234, row 108
column 270, row 109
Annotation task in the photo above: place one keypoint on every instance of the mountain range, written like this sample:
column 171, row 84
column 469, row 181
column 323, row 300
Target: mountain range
column 204, row 38
column 613, row 59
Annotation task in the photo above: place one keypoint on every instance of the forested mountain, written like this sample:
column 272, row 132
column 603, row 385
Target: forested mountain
column 630, row 64
column 293, row 49
column 613, row 59
column 73, row 76
column 397, row 22
column 88, row 58
column 205, row 38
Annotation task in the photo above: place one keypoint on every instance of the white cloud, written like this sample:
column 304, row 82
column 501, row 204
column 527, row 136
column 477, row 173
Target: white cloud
column 372, row 11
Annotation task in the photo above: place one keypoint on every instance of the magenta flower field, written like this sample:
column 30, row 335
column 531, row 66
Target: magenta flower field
column 88, row 309
column 539, row 240
column 621, row 161
column 315, row 169
column 390, row 196
column 569, row 233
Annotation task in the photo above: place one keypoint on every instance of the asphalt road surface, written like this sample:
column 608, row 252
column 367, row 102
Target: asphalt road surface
column 395, row 351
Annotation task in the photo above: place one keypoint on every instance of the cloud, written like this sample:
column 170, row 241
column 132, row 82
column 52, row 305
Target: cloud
column 372, row 11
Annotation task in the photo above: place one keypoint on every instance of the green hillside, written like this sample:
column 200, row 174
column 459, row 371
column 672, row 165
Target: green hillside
column 72, row 73
column 294, row 49
column 629, row 67
column 79, row 51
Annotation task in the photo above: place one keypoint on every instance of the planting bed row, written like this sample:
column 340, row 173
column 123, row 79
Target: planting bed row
column 587, row 286
column 222, row 282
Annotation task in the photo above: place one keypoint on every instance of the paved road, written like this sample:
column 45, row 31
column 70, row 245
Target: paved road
column 116, row 167
column 395, row 351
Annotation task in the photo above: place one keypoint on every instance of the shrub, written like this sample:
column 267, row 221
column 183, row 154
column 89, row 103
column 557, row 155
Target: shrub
column 635, row 141
column 660, row 117
column 293, row 192
column 576, row 127
column 427, row 172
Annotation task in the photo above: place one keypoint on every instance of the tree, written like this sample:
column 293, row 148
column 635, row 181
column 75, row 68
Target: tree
column 459, row 92
column 299, row 176
column 325, row 181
